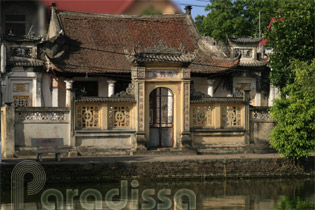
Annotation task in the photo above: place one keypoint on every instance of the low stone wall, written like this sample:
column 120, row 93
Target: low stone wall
column 140, row 168
column 261, row 126
column 41, row 122
column 105, row 142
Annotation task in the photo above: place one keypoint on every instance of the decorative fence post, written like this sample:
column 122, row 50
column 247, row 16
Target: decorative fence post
column 7, row 130
column 68, row 92
column 246, row 122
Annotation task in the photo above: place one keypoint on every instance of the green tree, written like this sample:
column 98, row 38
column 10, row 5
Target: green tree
column 294, row 134
column 292, row 38
column 239, row 17
column 151, row 11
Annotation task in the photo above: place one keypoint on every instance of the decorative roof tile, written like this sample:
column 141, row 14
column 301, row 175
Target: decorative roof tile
column 106, row 99
column 219, row 100
column 161, row 58
column 245, row 40
column 253, row 63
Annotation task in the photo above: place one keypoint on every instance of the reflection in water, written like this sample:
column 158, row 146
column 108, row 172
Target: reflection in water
column 256, row 194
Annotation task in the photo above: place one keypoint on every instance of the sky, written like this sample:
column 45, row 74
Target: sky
column 198, row 6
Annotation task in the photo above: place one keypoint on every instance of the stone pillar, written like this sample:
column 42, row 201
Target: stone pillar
column 41, row 15
column 8, row 130
column 68, row 92
column 258, row 99
column 273, row 94
column 38, row 90
column 111, row 87
column 54, row 93
column 186, row 140
column 230, row 94
column 246, row 117
column 138, row 76
column 210, row 87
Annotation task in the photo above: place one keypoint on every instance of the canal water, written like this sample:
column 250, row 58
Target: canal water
column 255, row 194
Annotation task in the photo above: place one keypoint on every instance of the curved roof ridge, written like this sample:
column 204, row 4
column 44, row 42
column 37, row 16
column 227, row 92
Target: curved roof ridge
column 118, row 15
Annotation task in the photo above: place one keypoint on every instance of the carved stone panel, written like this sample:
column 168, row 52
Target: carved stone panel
column 186, row 106
column 202, row 116
column 231, row 116
column 119, row 117
column 141, row 106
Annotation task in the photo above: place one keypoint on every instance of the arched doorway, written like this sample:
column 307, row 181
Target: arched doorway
column 161, row 118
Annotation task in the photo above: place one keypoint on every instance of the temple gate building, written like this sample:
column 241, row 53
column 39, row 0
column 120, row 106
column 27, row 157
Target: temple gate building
column 124, row 84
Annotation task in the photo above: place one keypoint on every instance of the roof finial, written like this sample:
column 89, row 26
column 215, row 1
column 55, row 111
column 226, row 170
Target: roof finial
column 53, row 5
column 188, row 9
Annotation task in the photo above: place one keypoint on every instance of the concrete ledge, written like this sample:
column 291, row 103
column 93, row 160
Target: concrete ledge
column 200, row 167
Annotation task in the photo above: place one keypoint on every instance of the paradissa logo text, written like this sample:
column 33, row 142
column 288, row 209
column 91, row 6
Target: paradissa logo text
column 117, row 198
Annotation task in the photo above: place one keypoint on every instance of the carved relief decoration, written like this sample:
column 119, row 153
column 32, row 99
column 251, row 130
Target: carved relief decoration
column 22, row 101
column 239, row 92
column 130, row 92
column 119, row 116
column 87, row 116
column 201, row 116
column 141, row 106
column 186, row 106
column 261, row 115
column 40, row 116
column 231, row 116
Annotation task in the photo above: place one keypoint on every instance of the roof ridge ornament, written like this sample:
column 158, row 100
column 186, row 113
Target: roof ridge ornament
column 128, row 93
column 160, row 53
column 160, row 47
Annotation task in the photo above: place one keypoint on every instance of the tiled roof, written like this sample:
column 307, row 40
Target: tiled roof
column 245, row 40
column 99, row 42
column 253, row 63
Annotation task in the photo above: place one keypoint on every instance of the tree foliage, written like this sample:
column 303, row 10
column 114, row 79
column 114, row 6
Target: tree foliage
column 239, row 18
column 294, row 134
column 293, row 72
column 151, row 11
column 292, row 38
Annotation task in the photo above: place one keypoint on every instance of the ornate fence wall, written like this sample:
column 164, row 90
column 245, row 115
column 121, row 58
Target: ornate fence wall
column 105, row 125
column 41, row 122
column 212, row 115
column 261, row 125
column 218, row 122
column 104, row 116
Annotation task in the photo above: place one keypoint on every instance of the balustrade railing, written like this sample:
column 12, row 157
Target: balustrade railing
column 119, row 116
column 231, row 116
column 201, row 115
column 88, row 115
column 260, row 114
column 41, row 114
column 103, row 115
column 218, row 113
